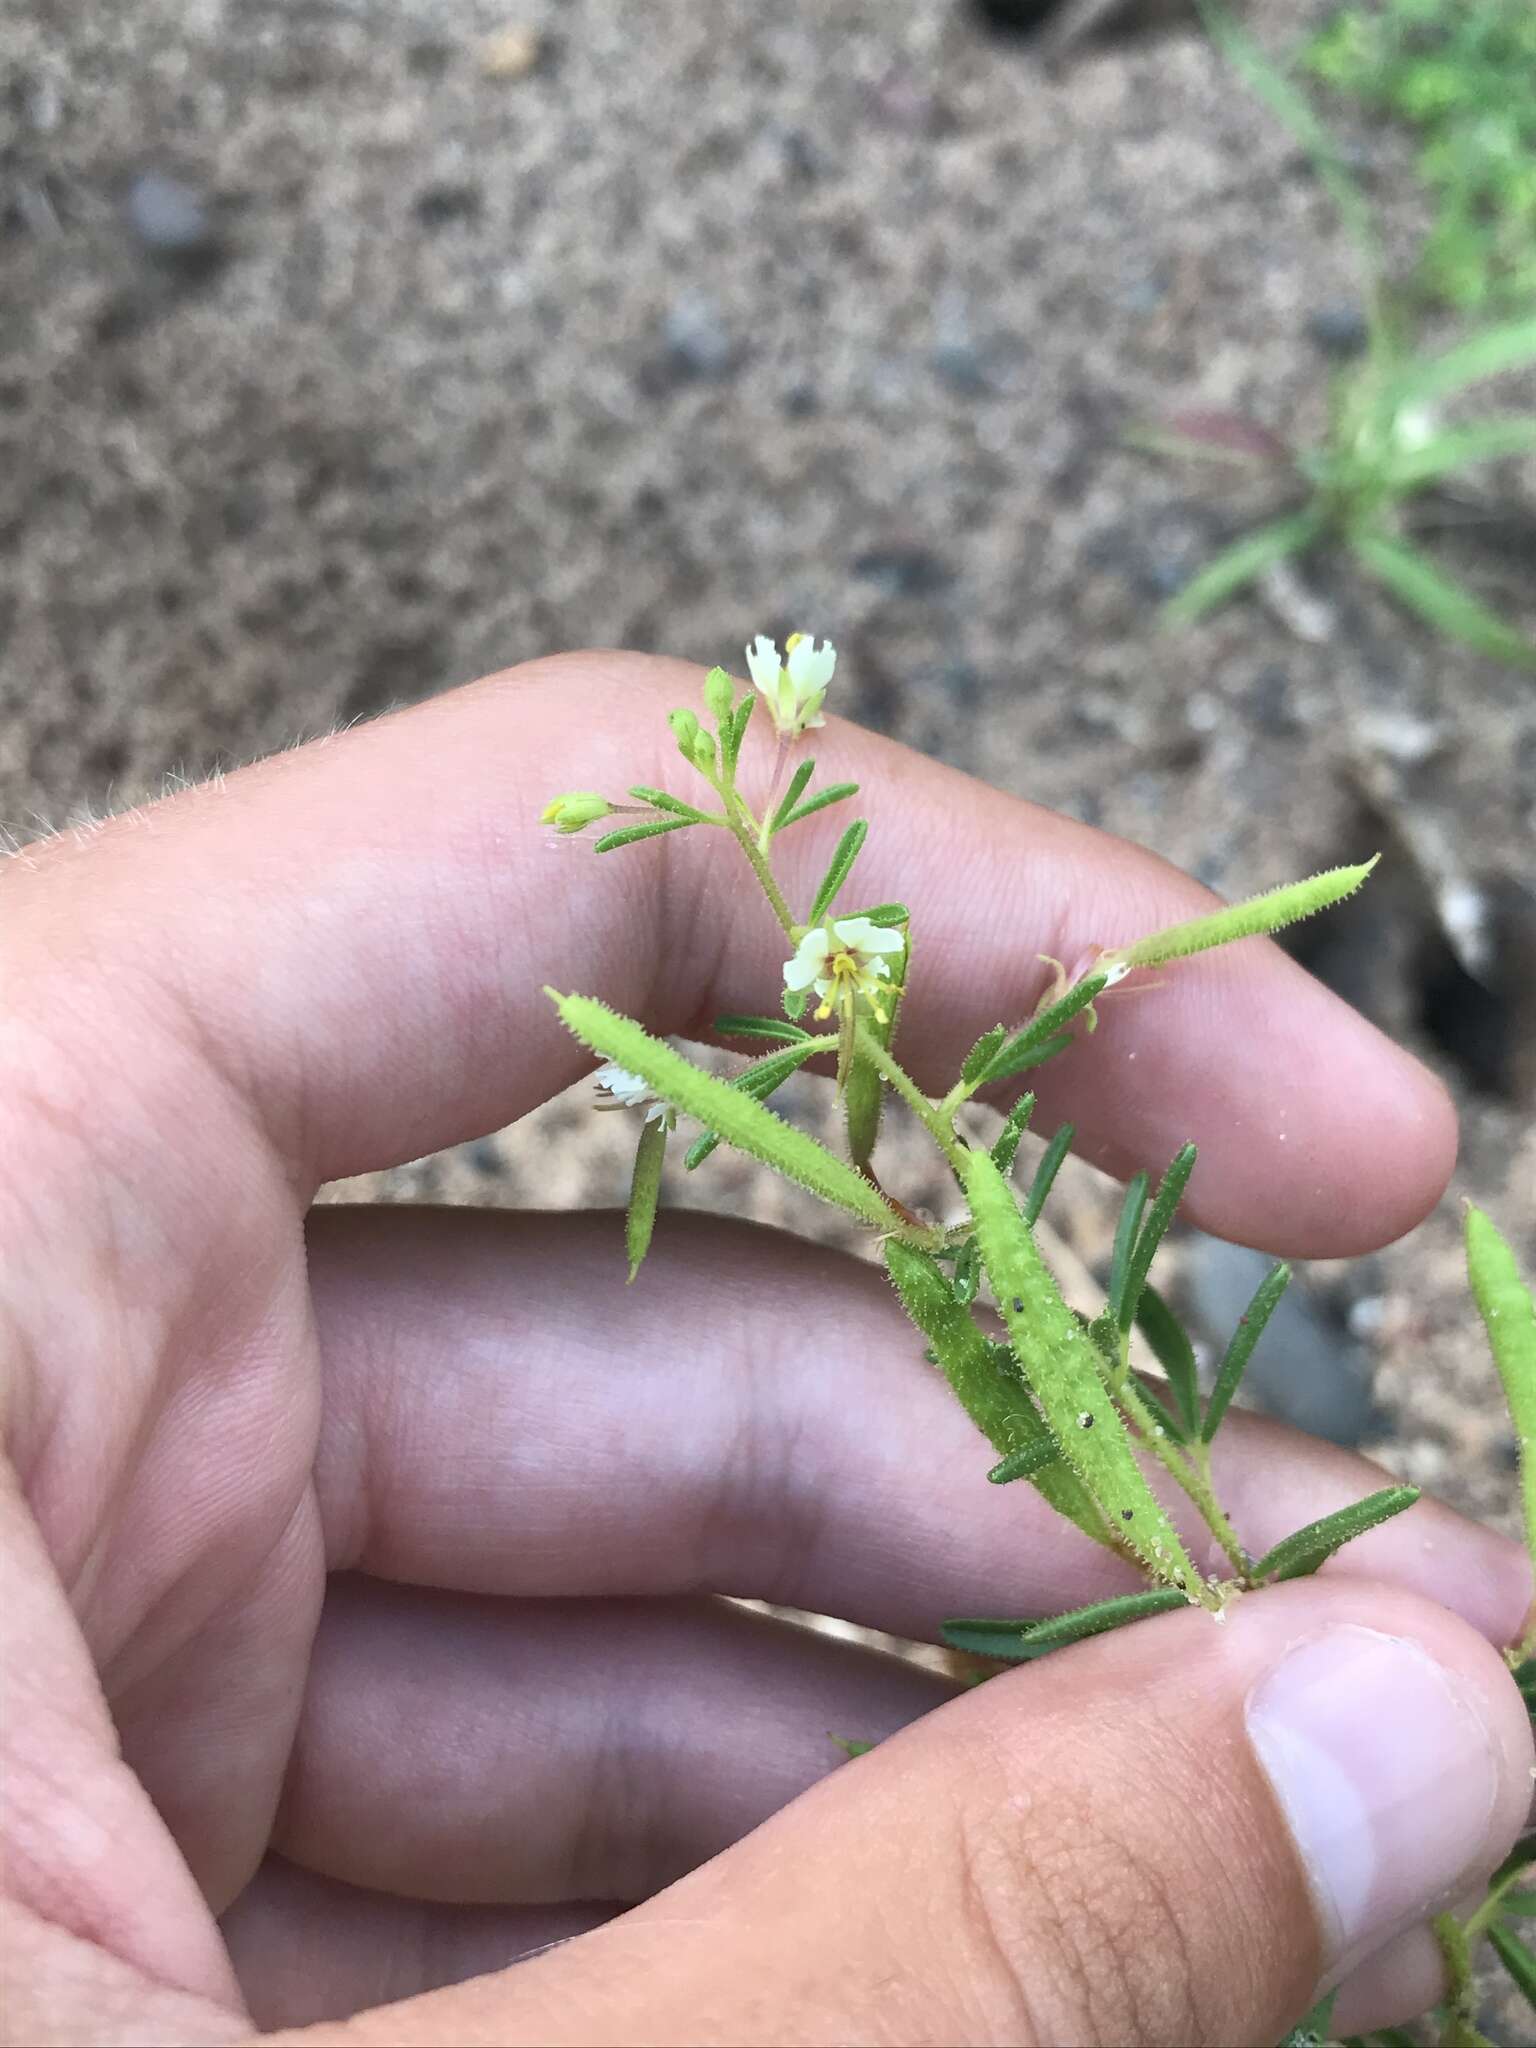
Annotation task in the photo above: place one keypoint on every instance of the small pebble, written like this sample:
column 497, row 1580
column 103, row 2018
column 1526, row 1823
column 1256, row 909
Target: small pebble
column 171, row 220
column 511, row 53
column 1338, row 328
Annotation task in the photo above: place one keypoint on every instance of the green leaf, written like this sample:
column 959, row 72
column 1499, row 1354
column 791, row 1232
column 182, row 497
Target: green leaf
column 1415, row 581
column 980, row 1056
column 748, row 1125
column 1270, row 912
column 1046, row 1172
column 1517, row 1958
column 1314, row 2029
column 843, row 858
column 1005, row 1151
column 851, row 1745
column 1518, row 1905
column 1026, row 1052
column 1239, row 565
column 989, row 1388
column 1509, row 1316
column 1519, row 1858
column 863, row 1083
column 631, row 834
column 834, row 793
column 1488, row 354
column 644, row 1192
column 886, row 915
column 1176, row 1355
column 1299, row 1555
column 659, row 800
column 733, row 730
column 1043, row 1036
column 1170, row 1192
column 1125, row 1244
column 1027, row 1461
column 1459, row 447
column 1063, row 1367
column 759, row 1082
column 793, row 794
column 759, row 1027
column 967, row 1272
column 1018, row 1642
column 1250, row 1327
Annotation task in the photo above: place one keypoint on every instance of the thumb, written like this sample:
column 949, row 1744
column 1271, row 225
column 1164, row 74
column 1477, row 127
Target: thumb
column 1175, row 1834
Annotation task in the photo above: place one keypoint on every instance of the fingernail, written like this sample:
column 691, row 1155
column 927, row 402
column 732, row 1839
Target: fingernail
column 1386, row 1769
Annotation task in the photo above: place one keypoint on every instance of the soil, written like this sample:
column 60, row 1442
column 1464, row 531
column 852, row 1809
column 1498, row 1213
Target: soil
column 350, row 349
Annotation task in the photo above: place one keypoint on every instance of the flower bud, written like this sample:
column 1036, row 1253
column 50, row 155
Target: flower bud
column 576, row 809
column 685, row 727
column 719, row 693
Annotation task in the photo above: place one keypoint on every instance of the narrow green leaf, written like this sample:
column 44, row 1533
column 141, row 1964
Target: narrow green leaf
column 967, row 1272
column 1043, row 1036
column 1509, row 1316
column 1163, row 1416
column 1250, row 1328
column 759, row 1027
column 851, row 1745
column 793, row 794
column 864, row 1085
column 1006, row 1150
column 1025, row 1462
column 759, row 1082
column 979, row 1058
column 1063, row 1366
column 1241, row 564
column 1416, row 582
column 644, row 1192
column 1125, row 1244
column 1018, row 1642
column 631, row 834
column 1522, row 1856
column 886, row 915
column 843, row 858
column 1488, row 354
column 1518, row 1905
column 1046, row 1172
column 1458, row 447
column 733, row 730
column 1170, row 1192
column 1300, row 1554
column 748, row 1125
column 1176, row 1355
column 1314, row 2030
column 1520, row 1962
column 990, row 1389
column 834, row 793
column 660, row 800
column 1267, row 913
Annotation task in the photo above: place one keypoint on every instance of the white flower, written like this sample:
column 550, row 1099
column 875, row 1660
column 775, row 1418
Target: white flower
column 628, row 1091
column 843, row 960
column 794, row 691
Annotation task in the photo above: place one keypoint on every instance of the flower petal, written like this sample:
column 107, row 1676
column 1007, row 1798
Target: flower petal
column 763, row 665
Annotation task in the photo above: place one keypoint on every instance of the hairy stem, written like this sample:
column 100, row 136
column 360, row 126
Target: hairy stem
column 1191, row 1474
column 910, row 1093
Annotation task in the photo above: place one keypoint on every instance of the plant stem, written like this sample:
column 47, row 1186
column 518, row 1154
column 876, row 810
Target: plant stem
column 1460, row 2030
column 1191, row 1474
column 910, row 1093
column 742, row 830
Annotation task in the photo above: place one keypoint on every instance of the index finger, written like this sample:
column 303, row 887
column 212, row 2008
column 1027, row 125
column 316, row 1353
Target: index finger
column 355, row 936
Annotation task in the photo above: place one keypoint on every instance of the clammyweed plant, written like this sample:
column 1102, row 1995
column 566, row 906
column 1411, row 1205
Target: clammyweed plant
column 1385, row 441
column 1462, row 74
column 1052, row 1390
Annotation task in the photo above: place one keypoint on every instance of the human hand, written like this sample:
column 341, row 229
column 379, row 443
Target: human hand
column 515, row 1708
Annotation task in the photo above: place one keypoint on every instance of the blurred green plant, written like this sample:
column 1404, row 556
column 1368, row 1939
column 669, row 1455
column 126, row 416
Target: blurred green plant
column 1386, row 440
column 1463, row 74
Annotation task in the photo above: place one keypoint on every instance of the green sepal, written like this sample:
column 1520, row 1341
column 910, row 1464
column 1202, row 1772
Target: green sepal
column 1313, row 2029
column 644, row 1192
column 1170, row 1346
column 748, row 1125
column 758, row 1081
column 990, row 1389
column 1250, row 1327
column 967, row 1272
column 1020, row 1642
column 863, row 1082
column 732, row 1026
column 1006, row 1150
column 844, row 855
column 1125, row 1245
column 1509, row 1316
column 1270, row 912
column 834, row 793
column 1517, row 1958
column 1064, row 1374
column 795, row 1000
column 1299, row 1555
column 886, row 915
column 1025, row 1462
column 1046, row 1170
column 792, row 795
column 660, row 800
column 1170, row 1192
column 631, row 834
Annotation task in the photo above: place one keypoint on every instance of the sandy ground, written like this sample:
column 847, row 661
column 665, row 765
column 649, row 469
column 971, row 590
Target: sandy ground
column 712, row 318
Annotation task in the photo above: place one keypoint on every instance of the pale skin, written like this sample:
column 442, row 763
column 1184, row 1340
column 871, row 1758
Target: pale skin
column 242, row 1793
